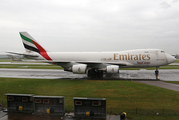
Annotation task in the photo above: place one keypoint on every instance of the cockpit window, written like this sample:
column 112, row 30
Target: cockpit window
column 162, row 51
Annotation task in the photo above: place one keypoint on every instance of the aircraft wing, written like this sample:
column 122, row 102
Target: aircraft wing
column 93, row 64
column 87, row 62
column 96, row 62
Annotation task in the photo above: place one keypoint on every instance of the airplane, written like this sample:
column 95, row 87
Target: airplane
column 95, row 64
column 14, row 58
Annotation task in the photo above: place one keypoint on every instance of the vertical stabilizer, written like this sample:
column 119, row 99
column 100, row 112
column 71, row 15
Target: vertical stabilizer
column 31, row 45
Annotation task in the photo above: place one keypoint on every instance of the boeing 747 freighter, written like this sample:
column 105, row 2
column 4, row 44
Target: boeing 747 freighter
column 95, row 64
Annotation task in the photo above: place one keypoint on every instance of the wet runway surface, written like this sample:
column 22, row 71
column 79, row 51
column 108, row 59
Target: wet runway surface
column 165, row 75
column 39, row 73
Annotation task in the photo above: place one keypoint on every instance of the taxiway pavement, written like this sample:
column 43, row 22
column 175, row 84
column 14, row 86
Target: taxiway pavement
column 161, row 84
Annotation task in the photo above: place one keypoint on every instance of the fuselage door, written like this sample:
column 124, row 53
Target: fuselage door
column 161, row 58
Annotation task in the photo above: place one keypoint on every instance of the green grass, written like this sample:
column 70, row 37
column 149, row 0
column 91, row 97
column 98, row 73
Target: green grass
column 177, row 61
column 5, row 60
column 169, row 67
column 153, row 68
column 121, row 95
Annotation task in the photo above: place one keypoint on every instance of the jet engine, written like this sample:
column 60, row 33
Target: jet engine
column 79, row 69
column 112, row 69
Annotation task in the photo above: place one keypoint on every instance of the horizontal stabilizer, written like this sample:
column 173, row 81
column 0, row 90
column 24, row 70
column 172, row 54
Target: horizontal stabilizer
column 30, row 55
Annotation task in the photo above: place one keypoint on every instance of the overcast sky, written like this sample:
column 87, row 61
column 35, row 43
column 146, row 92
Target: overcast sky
column 91, row 25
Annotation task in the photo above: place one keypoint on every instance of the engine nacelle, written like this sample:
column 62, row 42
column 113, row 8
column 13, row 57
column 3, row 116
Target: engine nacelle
column 112, row 69
column 79, row 69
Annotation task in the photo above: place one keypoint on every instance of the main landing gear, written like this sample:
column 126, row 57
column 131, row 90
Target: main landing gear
column 95, row 73
column 157, row 73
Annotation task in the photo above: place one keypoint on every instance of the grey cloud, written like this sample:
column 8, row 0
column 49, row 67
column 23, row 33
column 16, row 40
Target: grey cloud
column 90, row 25
column 165, row 5
column 174, row 1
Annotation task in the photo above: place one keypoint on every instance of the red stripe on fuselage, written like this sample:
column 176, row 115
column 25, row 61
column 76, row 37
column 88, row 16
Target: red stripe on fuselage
column 42, row 51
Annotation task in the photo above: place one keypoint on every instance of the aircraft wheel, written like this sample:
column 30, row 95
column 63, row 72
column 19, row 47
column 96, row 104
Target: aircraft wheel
column 91, row 73
column 157, row 73
column 100, row 74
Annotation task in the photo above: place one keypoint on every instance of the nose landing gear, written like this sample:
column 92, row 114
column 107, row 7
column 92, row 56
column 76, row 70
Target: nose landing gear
column 157, row 73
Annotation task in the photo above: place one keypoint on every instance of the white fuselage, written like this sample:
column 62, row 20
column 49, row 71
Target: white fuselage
column 130, row 58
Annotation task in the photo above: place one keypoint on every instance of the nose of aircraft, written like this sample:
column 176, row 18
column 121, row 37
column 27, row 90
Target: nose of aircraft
column 170, row 58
